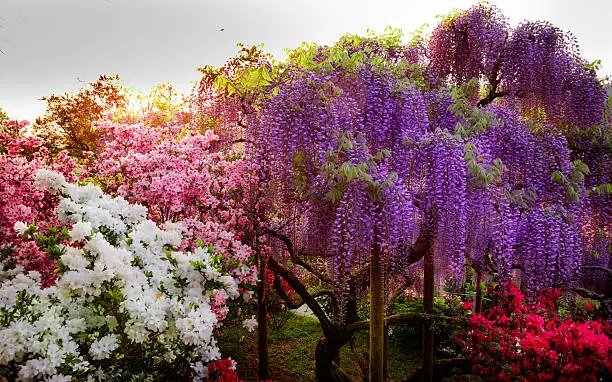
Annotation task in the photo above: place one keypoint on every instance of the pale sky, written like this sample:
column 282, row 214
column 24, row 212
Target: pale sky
column 47, row 44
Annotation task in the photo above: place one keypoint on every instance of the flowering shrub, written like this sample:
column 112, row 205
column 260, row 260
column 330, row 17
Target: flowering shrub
column 514, row 341
column 22, row 201
column 223, row 370
column 126, row 304
column 181, row 177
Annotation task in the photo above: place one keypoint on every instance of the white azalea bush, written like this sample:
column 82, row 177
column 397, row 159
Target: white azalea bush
column 126, row 304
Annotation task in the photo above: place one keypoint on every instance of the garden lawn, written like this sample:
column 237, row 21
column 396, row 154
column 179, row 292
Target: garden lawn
column 292, row 348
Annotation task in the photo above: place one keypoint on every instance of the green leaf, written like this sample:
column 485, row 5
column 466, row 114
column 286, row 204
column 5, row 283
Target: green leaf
column 605, row 188
column 557, row 177
column 582, row 167
column 576, row 176
column 221, row 82
column 265, row 74
column 572, row 194
column 334, row 195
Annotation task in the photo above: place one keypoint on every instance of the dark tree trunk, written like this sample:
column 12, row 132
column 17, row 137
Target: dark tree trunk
column 327, row 350
column 335, row 337
column 478, row 298
column 428, row 296
column 262, row 322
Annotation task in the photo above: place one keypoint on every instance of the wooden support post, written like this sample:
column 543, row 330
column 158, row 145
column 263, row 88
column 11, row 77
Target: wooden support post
column 377, row 314
column 386, row 355
column 478, row 298
column 428, row 300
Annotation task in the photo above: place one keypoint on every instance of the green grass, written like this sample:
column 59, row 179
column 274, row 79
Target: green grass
column 292, row 347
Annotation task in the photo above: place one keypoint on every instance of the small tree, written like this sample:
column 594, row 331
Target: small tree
column 377, row 155
column 227, row 100
column 67, row 121
column 3, row 115
column 374, row 160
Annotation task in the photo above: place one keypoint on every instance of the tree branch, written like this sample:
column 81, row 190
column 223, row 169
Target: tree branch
column 295, row 305
column 598, row 268
column 241, row 140
column 418, row 250
column 494, row 80
column 402, row 319
column 295, row 257
column 491, row 97
column 329, row 329
column 590, row 294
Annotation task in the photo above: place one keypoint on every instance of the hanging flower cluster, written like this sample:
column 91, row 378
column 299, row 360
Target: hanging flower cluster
column 536, row 66
column 469, row 45
column 363, row 156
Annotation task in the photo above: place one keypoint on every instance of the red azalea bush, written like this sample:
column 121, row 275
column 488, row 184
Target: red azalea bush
column 223, row 370
column 518, row 342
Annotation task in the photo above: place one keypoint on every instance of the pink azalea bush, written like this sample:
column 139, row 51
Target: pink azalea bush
column 23, row 201
column 188, row 190
column 181, row 177
column 176, row 178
